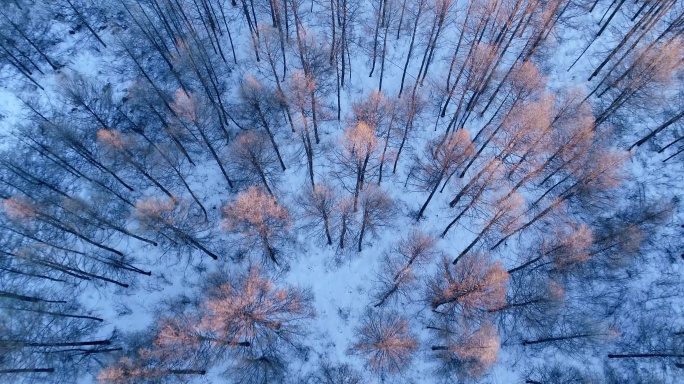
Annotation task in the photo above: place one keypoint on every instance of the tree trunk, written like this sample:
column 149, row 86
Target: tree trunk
column 80, row 16
column 55, row 314
column 30, row 299
column 643, row 355
column 410, row 50
column 432, row 193
column 375, row 39
column 22, row 343
column 27, row 370
column 362, row 232
column 560, row 338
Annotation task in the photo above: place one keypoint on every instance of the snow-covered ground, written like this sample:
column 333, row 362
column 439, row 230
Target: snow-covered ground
column 343, row 282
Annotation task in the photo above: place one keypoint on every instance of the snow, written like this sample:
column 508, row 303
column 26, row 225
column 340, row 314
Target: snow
column 342, row 281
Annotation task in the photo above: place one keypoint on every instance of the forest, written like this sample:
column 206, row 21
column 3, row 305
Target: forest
column 341, row 191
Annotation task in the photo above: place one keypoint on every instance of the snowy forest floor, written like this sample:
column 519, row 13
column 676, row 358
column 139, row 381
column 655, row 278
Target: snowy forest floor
column 344, row 283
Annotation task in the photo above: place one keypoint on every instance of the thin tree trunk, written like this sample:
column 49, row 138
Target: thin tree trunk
column 326, row 224
column 643, row 355
column 343, row 231
column 21, row 343
column 30, row 299
column 410, row 50
column 362, row 232
column 343, row 41
column 270, row 136
column 187, row 372
column 375, row 39
column 560, row 338
column 407, row 128
column 27, row 370
column 384, row 53
column 666, row 124
column 432, row 193
column 55, row 313
column 86, row 23
column 384, row 149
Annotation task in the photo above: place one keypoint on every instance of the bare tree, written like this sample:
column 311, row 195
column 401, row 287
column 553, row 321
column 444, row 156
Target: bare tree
column 487, row 180
column 244, row 319
column 261, row 107
column 535, row 300
column 318, row 206
column 346, row 222
column 648, row 71
column 474, row 285
column 141, row 371
column 192, row 110
column 269, row 48
column 255, row 161
column 385, row 341
column 398, row 271
column 357, row 158
column 27, row 41
column 301, row 89
column 443, row 159
column 442, row 10
column 416, row 10
column 567, row 246
column 43, row 339
column 471, row 349
column 313, row 57
column 504, row 218
column 27, row 214
column 262, row 370
column 179, row 225
column 116, row 144
column 559, row 373
column 251, row 308
column 382, row 116
column 569, row 334
column 333, row 374
column 260, row 221
column 410, row 109
column 377, row 211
